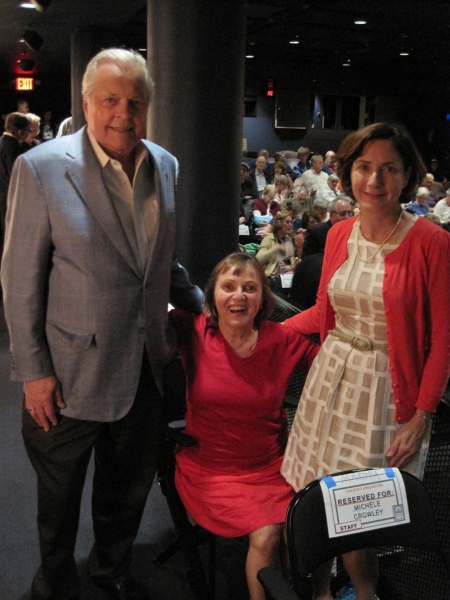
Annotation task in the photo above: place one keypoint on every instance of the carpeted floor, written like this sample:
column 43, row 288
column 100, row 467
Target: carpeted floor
column 19, row 552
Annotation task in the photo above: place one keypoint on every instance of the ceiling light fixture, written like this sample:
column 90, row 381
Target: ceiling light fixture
column 249, row 56
column 294, row 42
column 27, row 5
column 41, row 5
column 404, row 53
column 360, row 22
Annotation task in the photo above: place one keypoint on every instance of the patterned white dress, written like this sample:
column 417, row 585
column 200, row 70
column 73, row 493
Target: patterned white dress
column 346, row 415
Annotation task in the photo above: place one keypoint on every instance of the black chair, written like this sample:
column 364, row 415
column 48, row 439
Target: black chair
column 413, row 572
column 310, row 546
column 189, row 535
column 284, row 310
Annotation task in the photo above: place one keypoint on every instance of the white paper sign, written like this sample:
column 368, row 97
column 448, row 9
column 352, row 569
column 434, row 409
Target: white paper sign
column 243, row 229
column 286, row 280
column 364, row 500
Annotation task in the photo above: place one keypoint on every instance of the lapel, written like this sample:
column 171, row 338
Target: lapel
column 165, row 202
column 86, row 175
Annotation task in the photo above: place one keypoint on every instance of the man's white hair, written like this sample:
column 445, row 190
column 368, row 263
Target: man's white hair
column 127, row 60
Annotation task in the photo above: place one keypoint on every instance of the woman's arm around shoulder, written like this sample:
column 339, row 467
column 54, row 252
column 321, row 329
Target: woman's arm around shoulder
column 320, row 317
column 301, row 347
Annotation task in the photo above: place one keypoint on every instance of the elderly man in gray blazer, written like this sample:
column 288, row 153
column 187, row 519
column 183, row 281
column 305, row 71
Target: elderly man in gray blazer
column 88, row 271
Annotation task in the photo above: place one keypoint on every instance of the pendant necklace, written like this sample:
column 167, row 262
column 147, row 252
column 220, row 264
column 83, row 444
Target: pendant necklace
column 381, row 246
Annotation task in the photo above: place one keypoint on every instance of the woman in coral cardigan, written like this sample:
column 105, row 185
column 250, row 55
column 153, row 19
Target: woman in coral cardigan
column 385, row 355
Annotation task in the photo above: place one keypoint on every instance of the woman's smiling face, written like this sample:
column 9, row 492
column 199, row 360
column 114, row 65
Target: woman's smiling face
column 378, row 177
column 238, row 297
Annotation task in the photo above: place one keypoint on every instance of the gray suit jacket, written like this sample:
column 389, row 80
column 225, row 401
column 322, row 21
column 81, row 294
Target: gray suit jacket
column 75, row 302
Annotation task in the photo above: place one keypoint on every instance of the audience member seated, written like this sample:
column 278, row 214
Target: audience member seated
column 268, row 167
column 419, row 206
column 437, row 173
column 433, row 218
column 328, row 165
column 332, row 192
column 435, row 194
column 307, row 220
column 303, row 162
column 314, row 179
column 300, row 193
column 293, row 207
column 249, row 188
column 31, row 140
column 264, row 209
column 281, row 157
column 281, row 184
column 260, row 175
column 442, row 210
column 279, row 168
column 320, row 208
column 230, row 481
column 276, row 253
column 316, row 236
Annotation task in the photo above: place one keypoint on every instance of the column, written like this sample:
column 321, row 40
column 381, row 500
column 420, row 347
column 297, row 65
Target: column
column 196, row 55
column 84, row 45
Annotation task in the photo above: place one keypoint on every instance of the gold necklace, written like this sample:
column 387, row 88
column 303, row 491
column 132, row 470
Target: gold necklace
column 380, row 247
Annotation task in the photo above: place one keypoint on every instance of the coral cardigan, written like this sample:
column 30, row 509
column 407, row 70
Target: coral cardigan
column 416, row 292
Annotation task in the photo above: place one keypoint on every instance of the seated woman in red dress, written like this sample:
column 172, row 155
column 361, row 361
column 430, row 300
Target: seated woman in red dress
column 238, row 366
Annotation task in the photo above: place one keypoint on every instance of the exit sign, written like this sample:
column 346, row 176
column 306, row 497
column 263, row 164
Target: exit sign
column 24, row 84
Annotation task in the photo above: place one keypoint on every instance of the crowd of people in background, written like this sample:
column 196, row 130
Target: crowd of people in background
column 309, row 189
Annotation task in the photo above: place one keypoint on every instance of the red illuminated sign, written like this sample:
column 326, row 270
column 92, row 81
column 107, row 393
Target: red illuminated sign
column 24, row 84
column 270, row 92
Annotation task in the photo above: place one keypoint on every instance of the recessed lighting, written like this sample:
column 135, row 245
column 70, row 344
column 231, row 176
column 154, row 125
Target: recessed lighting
column 249, row 56
column 27, row 5
column 345, row 64
column 404, row 53
column 142, row 49
column 360, row 22
column 294, row 42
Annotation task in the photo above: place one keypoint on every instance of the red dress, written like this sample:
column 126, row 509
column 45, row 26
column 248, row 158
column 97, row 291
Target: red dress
column 230, row 481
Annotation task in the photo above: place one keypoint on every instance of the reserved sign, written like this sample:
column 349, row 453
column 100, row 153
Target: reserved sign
column 364, row 500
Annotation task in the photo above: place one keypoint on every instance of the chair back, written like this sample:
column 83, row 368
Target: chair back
column 307, row 531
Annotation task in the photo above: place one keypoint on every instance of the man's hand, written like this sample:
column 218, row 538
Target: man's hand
column 41, row 397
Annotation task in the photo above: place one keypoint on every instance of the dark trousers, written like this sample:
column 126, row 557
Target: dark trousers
column 126, row 455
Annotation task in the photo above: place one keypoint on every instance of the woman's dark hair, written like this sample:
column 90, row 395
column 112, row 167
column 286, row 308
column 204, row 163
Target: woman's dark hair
column 305, row 219
column 281, row 166
column 353, row 147
column 238, row 262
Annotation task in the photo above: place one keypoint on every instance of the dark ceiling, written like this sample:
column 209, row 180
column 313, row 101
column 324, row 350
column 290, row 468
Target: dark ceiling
column 325, row 30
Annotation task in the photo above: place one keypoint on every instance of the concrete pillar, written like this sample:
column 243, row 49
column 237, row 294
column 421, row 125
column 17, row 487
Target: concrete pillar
column 196, row 55
column 84, row 45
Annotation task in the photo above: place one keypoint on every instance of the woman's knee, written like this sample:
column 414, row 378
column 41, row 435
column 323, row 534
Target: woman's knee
column 267, row 539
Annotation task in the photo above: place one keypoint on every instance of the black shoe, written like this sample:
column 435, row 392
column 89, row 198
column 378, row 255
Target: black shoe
column 125, row 589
